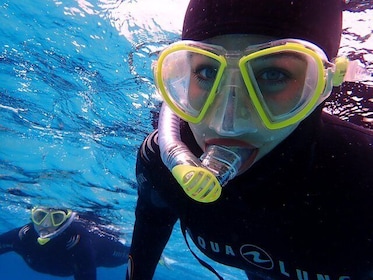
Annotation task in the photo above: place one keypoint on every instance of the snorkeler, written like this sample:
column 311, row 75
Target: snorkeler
column 59, row 243
column 259, row 176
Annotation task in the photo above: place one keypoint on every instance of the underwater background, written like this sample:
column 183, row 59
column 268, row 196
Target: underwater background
column 77, row 98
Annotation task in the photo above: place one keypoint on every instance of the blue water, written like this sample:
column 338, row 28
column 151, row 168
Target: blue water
column 76, row 101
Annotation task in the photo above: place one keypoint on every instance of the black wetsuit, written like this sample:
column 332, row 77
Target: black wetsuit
column 76, row 251
column 304, row 211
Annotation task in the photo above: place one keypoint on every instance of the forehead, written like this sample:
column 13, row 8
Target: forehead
column 238, row 41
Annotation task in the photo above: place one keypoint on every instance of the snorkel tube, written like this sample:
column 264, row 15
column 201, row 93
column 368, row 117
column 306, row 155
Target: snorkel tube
column 46, row 238
column 202, row 179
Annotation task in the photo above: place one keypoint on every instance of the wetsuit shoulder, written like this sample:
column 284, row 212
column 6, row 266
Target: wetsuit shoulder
column 153, row 177
column 330, row 121
column 346, row 146
column 154, row 218
column 93, row 247
column 12, row 240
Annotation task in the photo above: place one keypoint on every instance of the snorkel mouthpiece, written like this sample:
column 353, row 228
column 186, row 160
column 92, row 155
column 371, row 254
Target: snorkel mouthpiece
column 197, row 182
column 201, row 179
column 204, row 183
column 42, row 240
column 222, row 162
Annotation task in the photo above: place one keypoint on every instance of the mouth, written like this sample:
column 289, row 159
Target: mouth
column 46, row 231
column 247, row 152
column 43, row 233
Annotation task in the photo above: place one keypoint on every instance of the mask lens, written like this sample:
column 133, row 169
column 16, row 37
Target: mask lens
column 189, row 76
column 284, row 79
column 284, row 83
column 58, row 217
column 38, row 216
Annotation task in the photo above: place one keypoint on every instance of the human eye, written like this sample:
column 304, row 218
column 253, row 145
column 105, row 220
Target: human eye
column 39, row 216
column 204, row 70
column 273, row 75
column 277, row 73
column 273, row 80
column 205, row 73
column 58, row 218
column 204, row 76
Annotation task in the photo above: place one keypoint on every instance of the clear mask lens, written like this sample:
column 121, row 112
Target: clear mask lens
column 57, row 217
column 284, row 85
column 283, row 80
column 38, row 216
column 188, row 79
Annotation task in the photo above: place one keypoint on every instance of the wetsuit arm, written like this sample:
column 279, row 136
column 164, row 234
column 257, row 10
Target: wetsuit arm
column 8, row 241
column 110, row 252
column 84, row 260
column 152, row 230
column 87, row 272
column 154, row 221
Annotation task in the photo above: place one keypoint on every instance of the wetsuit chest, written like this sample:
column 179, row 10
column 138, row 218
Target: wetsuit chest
column 285, row 233
column 294, row 215
column 55, row 257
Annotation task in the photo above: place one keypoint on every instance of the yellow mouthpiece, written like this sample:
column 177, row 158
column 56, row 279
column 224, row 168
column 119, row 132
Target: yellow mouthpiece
column 198, row 183
column 43, row 241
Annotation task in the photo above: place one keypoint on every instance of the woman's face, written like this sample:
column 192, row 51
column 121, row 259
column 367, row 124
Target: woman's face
column 231, row 119
column 46, row 227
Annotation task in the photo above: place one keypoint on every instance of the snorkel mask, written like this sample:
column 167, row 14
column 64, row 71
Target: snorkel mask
column 285, row 81
column 49, row 223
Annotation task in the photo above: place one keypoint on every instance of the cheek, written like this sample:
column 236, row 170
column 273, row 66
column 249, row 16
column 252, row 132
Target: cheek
column 263, row 137
column 196, row 96
column 38, row 229
column 193, row 96
column 270, row 142
column 201, row 132
column 286, row 101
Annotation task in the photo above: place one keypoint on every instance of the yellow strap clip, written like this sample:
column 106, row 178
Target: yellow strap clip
column 341, row 65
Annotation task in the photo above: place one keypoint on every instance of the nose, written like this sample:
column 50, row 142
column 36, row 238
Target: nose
column 233, row 112
column 47, row 222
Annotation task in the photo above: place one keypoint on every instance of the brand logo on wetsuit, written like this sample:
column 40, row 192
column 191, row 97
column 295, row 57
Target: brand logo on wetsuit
column 256, row 256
